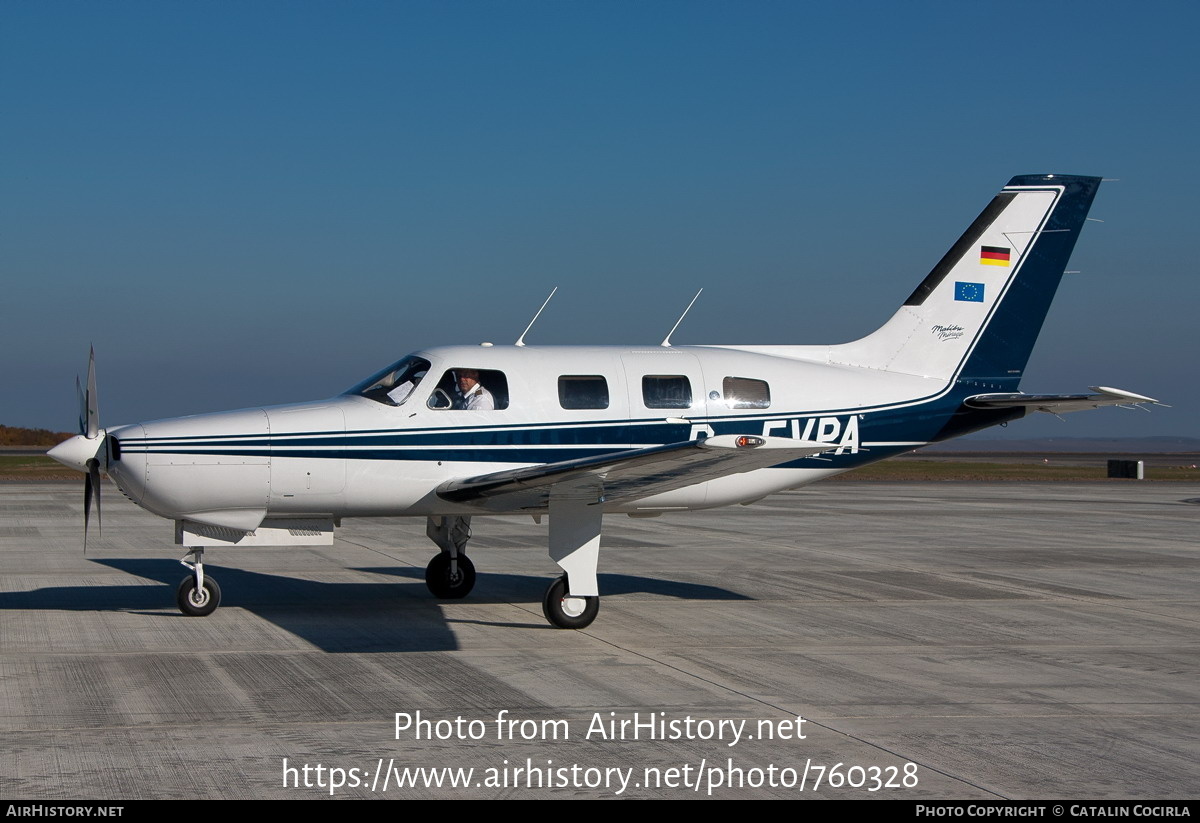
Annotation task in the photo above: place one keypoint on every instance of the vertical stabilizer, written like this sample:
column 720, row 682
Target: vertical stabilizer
column 977, row 314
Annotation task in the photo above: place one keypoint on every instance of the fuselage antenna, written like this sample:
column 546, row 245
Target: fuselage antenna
column 521, row 339
column 667, row 340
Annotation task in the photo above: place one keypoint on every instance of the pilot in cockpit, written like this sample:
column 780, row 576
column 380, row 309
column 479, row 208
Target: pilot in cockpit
column 471, row 394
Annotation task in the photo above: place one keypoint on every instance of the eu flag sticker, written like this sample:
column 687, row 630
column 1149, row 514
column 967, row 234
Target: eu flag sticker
column 968, row 292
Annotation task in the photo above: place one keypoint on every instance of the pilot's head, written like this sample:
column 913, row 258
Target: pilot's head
column 468, row 379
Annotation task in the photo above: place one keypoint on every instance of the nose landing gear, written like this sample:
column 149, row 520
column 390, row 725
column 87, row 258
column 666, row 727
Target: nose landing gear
column 197, row 595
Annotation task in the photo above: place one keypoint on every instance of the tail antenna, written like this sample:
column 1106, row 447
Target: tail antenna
column 667, row 340
column 521, row 339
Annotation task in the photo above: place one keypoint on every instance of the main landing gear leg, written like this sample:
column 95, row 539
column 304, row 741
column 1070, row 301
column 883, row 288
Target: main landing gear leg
column 573, row 600
column 197, row 595
column 450, row 575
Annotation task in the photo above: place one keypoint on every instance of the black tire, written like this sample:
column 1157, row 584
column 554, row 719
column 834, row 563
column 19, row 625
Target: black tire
column 564, row 611
column 198, row 604
column 445, row 586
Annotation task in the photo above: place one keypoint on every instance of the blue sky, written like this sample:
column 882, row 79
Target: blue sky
column 244, row 203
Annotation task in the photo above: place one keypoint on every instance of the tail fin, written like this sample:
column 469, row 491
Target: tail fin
column 976, row 316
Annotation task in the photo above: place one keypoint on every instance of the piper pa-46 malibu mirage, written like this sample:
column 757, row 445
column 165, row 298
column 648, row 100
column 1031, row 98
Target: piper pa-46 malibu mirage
column 577, row 432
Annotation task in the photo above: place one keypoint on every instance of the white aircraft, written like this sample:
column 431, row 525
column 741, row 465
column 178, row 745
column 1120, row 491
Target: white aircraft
column 577, row 432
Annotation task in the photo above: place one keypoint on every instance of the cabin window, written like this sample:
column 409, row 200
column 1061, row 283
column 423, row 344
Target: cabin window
column 395, row 384
column 667, row 391
column 746, row 393
column 583, row 391
column 470, row 390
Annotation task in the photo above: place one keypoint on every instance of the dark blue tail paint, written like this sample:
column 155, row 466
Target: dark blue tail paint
column 999, row 358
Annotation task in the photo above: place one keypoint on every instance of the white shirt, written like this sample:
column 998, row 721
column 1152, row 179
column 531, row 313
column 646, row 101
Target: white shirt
column 478, row 398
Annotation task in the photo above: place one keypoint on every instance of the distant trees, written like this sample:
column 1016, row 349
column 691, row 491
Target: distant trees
column 18, row 436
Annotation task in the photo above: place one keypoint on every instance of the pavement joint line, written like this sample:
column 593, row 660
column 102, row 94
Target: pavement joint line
column 372, row 549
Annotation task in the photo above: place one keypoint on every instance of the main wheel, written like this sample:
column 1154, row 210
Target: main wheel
column 198, row 602
column 446, row 586
column 567, row 611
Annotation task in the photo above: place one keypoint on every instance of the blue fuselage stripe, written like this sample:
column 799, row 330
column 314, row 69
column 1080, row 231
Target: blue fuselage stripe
column 530, row 444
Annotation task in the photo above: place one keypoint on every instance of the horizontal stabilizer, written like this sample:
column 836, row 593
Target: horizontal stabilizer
column 628, row 475
column 1059, row 403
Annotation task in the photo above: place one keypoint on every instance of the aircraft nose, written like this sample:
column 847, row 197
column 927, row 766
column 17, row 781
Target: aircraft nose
column 75, row 452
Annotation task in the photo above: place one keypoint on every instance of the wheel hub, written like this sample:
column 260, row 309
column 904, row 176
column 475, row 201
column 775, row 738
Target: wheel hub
column 573, row 606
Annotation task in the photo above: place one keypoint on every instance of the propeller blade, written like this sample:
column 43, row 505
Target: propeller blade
column 87, row 504
column 94, row 474
column 93, row 413
column 91, row 488
column 82, row 406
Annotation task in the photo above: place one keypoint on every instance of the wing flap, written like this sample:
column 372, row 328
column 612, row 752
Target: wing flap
column 628, row 475
column 1059, row 403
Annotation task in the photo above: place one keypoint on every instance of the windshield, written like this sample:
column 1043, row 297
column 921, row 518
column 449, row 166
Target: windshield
column 396, row 383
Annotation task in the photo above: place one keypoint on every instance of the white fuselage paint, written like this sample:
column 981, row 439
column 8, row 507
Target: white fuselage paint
column 289, row 461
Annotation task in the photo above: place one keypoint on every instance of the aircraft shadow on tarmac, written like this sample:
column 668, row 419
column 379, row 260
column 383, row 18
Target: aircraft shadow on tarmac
column 338, row 616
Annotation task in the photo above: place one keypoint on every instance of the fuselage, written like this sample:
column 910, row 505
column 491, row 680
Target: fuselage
column 365, row 453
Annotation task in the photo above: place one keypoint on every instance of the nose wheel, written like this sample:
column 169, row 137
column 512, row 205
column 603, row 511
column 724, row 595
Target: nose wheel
column 567, row 611
column 198, row 602
column 198, row 594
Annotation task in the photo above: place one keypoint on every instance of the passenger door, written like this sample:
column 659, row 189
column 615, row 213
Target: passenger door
column 668, row 398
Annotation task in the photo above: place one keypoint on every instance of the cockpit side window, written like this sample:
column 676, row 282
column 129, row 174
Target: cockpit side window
column 468, row 389
column 396, row 383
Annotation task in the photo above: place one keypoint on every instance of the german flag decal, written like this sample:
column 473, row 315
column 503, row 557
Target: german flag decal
column 993, row 255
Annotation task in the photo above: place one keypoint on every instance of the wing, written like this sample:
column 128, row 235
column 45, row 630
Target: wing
column 1059, row 403
column 628, row 475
